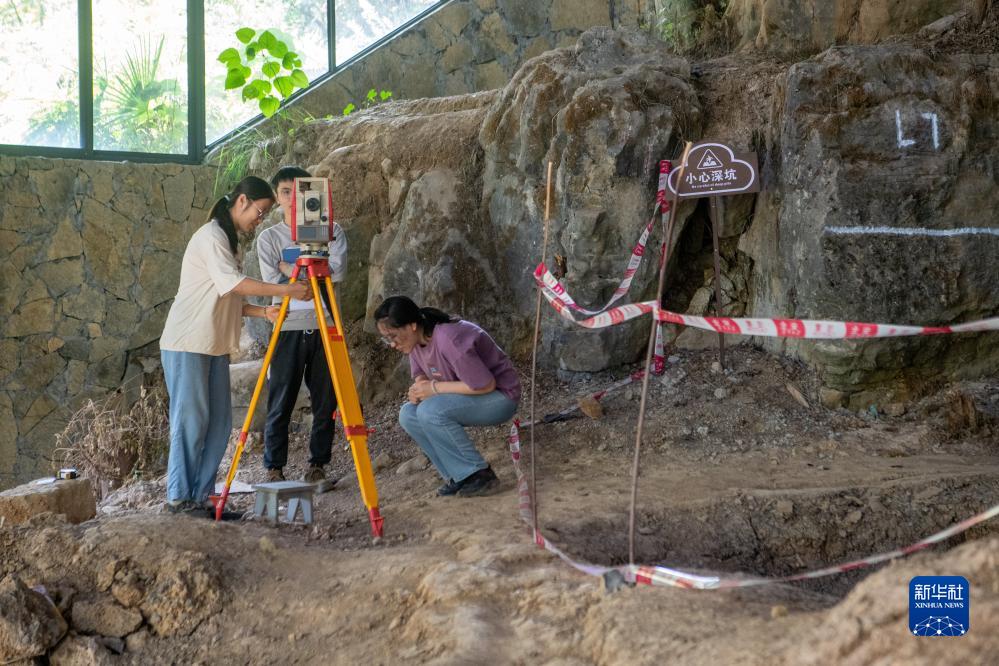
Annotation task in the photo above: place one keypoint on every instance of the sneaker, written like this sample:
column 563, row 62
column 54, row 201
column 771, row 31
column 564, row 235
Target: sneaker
column 315, row 474
column 183, row 506
column 448, row 489
column 479, row 483
column 275, row 474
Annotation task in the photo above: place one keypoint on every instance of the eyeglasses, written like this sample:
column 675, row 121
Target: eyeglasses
column 392, row 339
column 260, row 213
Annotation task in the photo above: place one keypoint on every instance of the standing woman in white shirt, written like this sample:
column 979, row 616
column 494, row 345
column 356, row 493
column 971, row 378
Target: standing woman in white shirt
column 201, row 330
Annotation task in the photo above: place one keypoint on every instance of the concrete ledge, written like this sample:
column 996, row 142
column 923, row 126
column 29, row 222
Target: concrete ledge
column 72, row 498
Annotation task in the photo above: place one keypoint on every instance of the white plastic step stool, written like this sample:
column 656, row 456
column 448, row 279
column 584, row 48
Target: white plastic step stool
column 297, row 493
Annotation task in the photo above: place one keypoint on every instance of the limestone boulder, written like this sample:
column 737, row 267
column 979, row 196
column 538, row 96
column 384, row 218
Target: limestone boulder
column 603, row 112
column 868, row 626
column 73, row 498
column 29, row 623
column 881, row 210
column 813, row 25
column 81, row 651
column 406, row 188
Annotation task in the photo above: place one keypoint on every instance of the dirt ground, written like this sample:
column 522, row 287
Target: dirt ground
column 738, row 476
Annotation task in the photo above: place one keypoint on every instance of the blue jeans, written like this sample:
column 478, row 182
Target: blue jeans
column 437, row 425
column 200, row 422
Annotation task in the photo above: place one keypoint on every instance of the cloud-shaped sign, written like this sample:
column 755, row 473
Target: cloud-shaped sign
column 714, row 169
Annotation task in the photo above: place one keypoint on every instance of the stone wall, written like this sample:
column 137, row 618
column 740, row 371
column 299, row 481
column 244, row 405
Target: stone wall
column 469, row 46
column 91, row 260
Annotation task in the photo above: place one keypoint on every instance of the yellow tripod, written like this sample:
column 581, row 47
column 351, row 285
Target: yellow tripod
column 315, row 265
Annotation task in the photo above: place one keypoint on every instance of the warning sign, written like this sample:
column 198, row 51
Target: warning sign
column 709, row 161
column 714, row 169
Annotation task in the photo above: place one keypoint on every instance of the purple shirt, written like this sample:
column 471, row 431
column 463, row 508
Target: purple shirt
column 463, row 352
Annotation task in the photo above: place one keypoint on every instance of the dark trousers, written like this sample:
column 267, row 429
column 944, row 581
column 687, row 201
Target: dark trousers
column 299, row 355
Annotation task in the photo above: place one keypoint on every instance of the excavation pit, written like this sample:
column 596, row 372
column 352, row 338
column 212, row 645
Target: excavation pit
column 776, row 534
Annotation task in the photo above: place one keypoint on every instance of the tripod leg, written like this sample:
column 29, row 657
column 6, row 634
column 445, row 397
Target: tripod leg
column 244, row 433
column 338, row 360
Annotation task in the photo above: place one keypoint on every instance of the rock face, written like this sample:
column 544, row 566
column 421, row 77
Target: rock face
column 604, row 112
column 469, row 46
column 813, row 25
column 453, row 218
column 884, row 158
column 406, row 182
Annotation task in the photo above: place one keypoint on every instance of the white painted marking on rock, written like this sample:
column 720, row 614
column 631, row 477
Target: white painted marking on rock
column 913, row 231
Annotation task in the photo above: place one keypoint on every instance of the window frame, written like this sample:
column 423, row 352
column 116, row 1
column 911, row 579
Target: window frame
column 197, row 148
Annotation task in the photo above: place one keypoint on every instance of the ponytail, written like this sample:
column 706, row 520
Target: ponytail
column 430, row 317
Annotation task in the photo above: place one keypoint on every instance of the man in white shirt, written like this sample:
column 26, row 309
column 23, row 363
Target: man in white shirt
column 299, row 352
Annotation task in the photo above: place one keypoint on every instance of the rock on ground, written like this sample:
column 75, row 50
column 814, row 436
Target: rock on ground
column 29, row 623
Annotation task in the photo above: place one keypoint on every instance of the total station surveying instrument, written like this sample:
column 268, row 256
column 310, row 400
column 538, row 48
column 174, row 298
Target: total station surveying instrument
column 312, row 231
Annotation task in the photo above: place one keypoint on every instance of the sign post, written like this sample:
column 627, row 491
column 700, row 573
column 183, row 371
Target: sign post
column 715, row 170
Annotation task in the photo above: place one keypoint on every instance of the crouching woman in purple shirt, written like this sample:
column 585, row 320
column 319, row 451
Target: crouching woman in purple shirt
column 461, row 378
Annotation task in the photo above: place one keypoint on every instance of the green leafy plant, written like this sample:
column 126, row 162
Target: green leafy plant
column 144, row 112
column 58, row 122
column 279, row 69
column 253, row 146
column 373, row 97
column 691, row 26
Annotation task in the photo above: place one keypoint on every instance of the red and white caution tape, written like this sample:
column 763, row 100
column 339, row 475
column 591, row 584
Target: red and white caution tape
column 666, row 577
column 625, row 284
column 662, row 206
column 635, row 260
column 673, row 578
column 774, row 328
column 556, row 294
column 565, row 305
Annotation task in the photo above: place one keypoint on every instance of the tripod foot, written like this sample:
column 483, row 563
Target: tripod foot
column 218, row 501
column 377, row 522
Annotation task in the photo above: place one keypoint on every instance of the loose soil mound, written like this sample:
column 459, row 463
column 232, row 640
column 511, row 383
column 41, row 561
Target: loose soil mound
column 751, row 482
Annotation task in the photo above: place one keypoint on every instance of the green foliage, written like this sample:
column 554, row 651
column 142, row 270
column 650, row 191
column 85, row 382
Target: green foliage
column 143, row 111
column 137, row 110
column 55, row 125
column 373, row 97
column 58, row 123
column 253, row 145
column 691, row 25
column 278, row 69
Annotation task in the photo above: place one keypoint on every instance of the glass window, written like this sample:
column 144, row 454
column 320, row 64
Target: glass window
column 361, row 23
column 300, row 24
column 40, row 86
column 140, row 76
